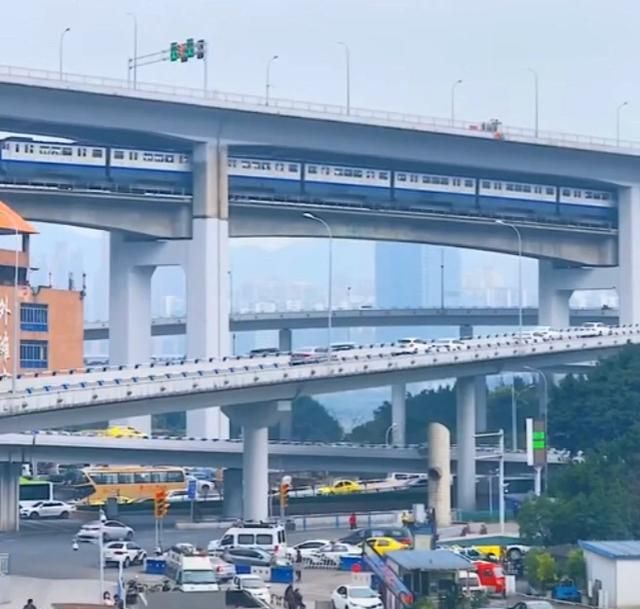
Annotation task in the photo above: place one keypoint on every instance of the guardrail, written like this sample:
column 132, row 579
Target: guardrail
column 281, row 106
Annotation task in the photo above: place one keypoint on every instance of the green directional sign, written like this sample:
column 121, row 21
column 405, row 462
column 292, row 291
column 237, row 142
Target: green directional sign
column 536, row 443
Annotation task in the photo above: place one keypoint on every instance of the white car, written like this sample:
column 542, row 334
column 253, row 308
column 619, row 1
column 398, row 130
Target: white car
column 446, row 344
column 592, row 328
column 47, row 509
column 545, row 332
column 112, row 530
column 406, row 346
column 355, row 597
column 125, row 552
column 331, row 553
column 254, row 586
column 308, row 547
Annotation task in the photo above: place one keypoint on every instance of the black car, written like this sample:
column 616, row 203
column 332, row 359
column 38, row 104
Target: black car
column 400, row 534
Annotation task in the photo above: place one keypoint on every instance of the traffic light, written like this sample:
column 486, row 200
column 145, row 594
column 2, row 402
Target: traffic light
column 284, row 494
column 160, row 503
column 201, row 48
column 182, row 51
column 191, row 49
column 173, row 51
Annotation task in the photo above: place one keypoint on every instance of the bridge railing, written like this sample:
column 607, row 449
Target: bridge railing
column 93, row 389
column 114, row 86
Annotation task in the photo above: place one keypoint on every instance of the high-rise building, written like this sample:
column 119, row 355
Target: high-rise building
column 442, row 276
column 399, row 275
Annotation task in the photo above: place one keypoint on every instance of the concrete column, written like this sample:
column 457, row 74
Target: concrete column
column 466, row 443
column 439, row 471
column 629, row 254
column 129, row 314
column 9, row 496
column 207, row 274
column 255, row 458
column 232, row 493
column 286, row 421
column 399, row 414
column 284, row 340
column 466, row 331
column 481, row 404
column 553, row 303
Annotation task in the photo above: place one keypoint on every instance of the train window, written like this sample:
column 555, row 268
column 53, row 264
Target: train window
column 413, row 178
column 349, row 173
column 577, row 193
column 293, row 168
column 325, row 171
column 401, row 177
column 148, row 157
column 486, row 184
column 456, row 181
column 185, row 159
column 158, row 158
column 566, row 192
column 383, row 175
column 67, row 151
column 255, row 165
column 370, row 174
column 426, row 180
column 605, row 196
column 468, row 183
column 312, row 169
column 246, row 164
column 169, row 158
column 133, row 156
column 17, row 148
column 587, row 194
column 265, row 165
column 118, row 154
column 81, row 152
column 526, row 188
column 510, row 187
column 357, row 173
column 278, row 166
column 548, row 190
column 444, row 181
column 338, row 171
column 230, row 162
column 537, row 189
column 96, row 153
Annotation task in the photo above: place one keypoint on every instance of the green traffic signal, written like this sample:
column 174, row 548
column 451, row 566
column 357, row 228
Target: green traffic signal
column 191, row 51
column 173, row 52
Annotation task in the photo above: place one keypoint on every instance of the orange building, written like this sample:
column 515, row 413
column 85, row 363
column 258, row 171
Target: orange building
column 50, row 332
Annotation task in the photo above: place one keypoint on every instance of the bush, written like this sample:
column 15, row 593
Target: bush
column 540, row 568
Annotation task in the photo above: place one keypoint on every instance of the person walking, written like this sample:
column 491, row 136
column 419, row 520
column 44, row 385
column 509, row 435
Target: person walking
column 353, row 521
column 298, row 565
column 289, row 598
column 298, row 600
column 30, row 604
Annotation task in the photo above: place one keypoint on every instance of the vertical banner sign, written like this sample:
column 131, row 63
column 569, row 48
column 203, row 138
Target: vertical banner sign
column 5, row 347
column 536, row 443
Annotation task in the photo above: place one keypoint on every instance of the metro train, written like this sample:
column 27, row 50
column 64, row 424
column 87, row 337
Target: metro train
column 158, row 171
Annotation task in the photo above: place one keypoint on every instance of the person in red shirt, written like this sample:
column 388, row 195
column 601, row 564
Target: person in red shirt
column 353, row 521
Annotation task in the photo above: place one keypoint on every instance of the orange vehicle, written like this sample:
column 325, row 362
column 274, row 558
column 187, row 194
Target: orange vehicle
column 491, row 576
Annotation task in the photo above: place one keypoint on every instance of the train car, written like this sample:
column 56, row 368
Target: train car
column 437, row 192
column 351, row 183
column 52, row 162
column 264, row 177
column 517, row 198
column 582, row 203
column 149, row 169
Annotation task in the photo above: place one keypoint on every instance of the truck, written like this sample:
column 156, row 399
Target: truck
column 190, row 569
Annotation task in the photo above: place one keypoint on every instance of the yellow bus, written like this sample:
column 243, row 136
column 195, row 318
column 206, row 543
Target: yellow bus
column 128, row 482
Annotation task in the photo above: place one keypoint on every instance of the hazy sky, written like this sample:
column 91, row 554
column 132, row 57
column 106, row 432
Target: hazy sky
column 405, row 53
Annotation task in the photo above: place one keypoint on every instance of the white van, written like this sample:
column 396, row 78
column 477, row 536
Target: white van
column 264, row 535
column 469, row 582
column 190, row 569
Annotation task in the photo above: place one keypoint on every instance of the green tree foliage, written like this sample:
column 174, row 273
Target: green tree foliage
column 541, row 568
column 313, row 423
column 576, row 568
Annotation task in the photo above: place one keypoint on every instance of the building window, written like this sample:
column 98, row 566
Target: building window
column 34, row 354
column 34, row 317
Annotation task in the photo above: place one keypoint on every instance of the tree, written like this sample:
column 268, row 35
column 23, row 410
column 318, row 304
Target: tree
column 313, row 423
column 576, row 568
column 540, row 567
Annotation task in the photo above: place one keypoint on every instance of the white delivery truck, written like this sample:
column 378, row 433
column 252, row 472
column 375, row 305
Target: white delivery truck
column 190, row 569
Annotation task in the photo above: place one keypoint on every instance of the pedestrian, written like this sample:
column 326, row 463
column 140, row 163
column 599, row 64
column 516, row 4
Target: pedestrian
column 30, row 604
column 353, row 521
column 483, row 529
column 289, row 598
column 118, row 602
column 298, row 600
column 298, row 565
column 106, row 598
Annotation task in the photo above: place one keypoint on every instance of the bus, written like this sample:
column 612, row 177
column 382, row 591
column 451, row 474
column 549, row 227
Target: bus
column 32, row 491
column 128, row 483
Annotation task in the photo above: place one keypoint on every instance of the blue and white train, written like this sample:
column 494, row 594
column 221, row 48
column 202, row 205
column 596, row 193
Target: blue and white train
column 157, row 171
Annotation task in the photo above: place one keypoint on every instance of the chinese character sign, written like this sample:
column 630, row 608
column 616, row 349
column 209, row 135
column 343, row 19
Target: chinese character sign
column 5, row 347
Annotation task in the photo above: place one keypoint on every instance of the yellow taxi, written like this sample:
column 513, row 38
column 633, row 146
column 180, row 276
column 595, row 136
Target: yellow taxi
column 382, row 545
column 341, row 487
column 122, row 431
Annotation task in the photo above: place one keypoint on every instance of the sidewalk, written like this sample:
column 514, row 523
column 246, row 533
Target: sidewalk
column 47, row 591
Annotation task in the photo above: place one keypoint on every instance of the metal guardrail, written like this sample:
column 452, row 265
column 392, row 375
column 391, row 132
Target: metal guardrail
column 281, row 106
column 217, row 376
column 4, row 564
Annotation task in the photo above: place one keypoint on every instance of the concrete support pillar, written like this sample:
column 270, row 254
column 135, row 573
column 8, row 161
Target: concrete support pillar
column 286, row 421
column 399, row 414
column 466, row 331
column 232, row 493
column 629, row 254
column 466, row 443
column 284, row 340
column 129, row 314
column 439, row 471
column 207, row 274
column 553, row 302
column 481, row 404
column 255, row 420
column 9, row 496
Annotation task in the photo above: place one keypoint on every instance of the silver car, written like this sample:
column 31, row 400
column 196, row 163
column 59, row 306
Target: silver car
column 112, row 530
column 224, row 570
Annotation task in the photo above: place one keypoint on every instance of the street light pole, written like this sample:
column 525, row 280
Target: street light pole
column 501, row 480
column 618, row 110
column 386, row 433
column 61, row 50
column 268, row 80
column 453, row 101
column 545, row 419
column 536, row 101
column 442, row 278
column 134, row 63
column 310, row 216
column 520, row 312
column 347, row 57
